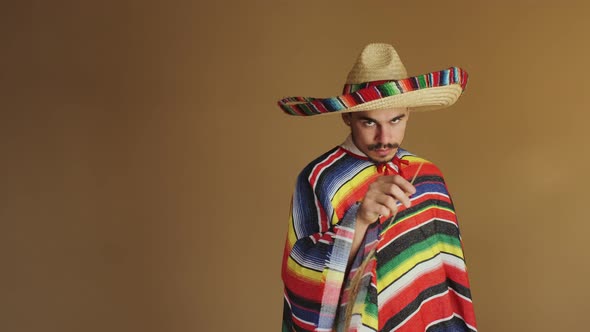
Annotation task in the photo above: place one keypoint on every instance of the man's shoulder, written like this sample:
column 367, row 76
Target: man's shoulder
column 414, row 161
column 334, row 165
column 324, row 160
column 409, row 157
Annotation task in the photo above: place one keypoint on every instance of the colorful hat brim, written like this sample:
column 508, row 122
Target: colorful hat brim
column 430, row 91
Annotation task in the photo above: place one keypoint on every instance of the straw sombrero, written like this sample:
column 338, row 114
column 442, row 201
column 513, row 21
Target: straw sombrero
column 379, row 80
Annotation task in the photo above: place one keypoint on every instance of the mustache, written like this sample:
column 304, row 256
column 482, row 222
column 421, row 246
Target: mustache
column 381, row 146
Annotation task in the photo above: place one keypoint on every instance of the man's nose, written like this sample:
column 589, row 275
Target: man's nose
column 382, row 135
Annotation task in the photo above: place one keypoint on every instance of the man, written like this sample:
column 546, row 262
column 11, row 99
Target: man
column 373, row 242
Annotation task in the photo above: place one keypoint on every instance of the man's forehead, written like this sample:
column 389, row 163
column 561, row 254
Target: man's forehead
column 381, row 114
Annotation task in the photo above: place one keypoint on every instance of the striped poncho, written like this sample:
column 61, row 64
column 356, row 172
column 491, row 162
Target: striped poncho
column 417, row 279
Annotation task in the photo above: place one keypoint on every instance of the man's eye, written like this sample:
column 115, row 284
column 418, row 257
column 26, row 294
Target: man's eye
column 369, row 123
column 396, row 120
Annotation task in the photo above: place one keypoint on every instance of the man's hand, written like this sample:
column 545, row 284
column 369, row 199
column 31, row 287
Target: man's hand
column 382, row 197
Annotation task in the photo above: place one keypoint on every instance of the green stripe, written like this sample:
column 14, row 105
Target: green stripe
column 306, row 109
column 371, row 308
column 422, row 81
column 389, row 89
column 411, row 251
column 355, row 87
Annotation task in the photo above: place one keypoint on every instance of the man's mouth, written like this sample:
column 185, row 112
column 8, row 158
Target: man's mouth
column 383, row 147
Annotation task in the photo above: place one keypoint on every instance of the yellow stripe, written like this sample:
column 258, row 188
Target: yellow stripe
column 411, row 159
column 368, row 319
column 293, row 267
column 348, row 187
column 303, row 273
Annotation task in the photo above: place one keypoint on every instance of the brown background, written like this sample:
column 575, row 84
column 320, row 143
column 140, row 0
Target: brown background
column 146, row 171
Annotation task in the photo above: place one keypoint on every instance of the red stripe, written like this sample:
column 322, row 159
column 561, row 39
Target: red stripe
column 309, row 289
column 320, row 106
column 405, row 85
column 464, row 78
column 320, row 166
column 416, row 220
column 447, row 215
column 345, row 233
column 348, row 100
column 436, row 79
column 369, row 94
column 439, row 308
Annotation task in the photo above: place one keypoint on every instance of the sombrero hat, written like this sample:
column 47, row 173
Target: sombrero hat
column 379, row 80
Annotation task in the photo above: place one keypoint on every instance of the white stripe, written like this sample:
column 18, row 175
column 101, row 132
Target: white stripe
column 449, row 318
column 287, row 299
column 346, row 228
column 364, row 328
column 301, row 320
column 462, row 296
column 378, row 92
column 420, row 269
column 345, row 239
column 359, row 95
column 418, row 310
column 429, row 193
column 317, row 202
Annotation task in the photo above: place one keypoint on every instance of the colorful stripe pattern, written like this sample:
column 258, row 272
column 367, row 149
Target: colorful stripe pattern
column 356, row 94
column 418, row 280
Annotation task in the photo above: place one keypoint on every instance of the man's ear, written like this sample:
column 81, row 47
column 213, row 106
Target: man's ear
column 346, row 117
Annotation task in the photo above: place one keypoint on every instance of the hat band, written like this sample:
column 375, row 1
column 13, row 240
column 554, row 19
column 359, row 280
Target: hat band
column 369, row 91
column 350, row 88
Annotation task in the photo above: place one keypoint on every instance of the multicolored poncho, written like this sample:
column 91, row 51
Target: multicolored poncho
column 417, row 279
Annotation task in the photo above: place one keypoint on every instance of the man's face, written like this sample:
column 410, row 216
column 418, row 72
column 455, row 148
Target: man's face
column 378, row 133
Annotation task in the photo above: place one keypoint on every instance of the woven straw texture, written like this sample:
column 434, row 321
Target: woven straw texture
column 378, row 80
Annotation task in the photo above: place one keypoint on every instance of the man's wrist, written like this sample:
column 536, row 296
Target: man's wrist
column 362, row 223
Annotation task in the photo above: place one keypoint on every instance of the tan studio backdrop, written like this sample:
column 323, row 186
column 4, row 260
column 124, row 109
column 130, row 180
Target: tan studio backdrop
column 146, row 170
